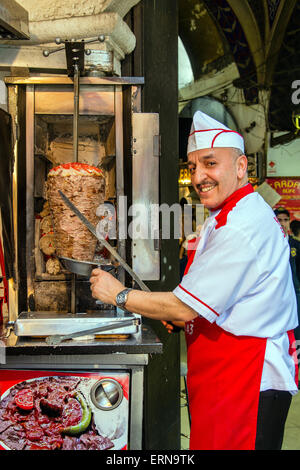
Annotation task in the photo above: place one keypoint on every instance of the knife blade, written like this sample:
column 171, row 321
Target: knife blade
column 112, row 251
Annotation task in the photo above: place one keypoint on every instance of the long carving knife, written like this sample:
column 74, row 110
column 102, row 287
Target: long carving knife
column 112, row 251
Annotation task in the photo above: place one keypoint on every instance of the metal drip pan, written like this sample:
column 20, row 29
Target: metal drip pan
column 83, row 268
column 51, row 323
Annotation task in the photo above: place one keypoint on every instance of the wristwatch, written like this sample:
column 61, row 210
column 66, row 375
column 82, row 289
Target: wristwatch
column 121, row 297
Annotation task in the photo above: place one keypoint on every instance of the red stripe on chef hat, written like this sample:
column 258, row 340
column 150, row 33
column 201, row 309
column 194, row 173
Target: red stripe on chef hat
column 216, row 134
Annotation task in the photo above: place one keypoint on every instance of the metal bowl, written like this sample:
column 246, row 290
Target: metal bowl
column 83, row 268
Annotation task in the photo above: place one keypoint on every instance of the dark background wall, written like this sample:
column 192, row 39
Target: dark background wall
column 6, row 169
column 155, row 25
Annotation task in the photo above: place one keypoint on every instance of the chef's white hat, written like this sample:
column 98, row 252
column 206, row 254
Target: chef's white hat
column 206, row 132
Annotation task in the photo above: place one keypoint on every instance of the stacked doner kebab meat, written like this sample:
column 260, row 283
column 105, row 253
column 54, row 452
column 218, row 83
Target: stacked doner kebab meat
column 84, row 185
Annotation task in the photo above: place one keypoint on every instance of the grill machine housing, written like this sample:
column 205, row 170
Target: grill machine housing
column 126, row 136
column 28, row 100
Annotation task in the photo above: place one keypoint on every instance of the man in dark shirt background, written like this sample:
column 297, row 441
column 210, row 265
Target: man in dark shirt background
column 283, row 217
column 295, row 229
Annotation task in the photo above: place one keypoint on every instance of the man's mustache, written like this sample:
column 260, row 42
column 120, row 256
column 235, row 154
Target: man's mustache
column 204, row 183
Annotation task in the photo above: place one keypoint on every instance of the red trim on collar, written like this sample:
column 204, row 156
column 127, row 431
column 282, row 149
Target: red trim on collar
column 230, row 203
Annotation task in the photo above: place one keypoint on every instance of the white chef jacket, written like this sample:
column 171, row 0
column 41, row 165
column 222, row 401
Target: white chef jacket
column 241, row 279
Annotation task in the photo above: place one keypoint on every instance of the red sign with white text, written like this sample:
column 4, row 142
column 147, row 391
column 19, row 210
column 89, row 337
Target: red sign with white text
column 289, row 190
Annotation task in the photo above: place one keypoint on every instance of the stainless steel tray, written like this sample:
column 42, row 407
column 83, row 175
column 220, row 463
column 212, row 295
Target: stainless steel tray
column 53, row 323
column 84, row 268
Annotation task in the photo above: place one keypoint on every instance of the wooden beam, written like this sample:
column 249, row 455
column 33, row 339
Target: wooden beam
column 245, row 16
column 274, row 42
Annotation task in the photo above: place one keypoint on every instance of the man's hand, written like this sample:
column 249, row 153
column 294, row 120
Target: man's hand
column 104, row 286
column 174, row 326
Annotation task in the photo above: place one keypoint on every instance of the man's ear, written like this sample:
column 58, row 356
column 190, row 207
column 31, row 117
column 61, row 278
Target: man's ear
column 242, row 165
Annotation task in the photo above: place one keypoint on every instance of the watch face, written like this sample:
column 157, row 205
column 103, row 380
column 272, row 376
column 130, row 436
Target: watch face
column 121, row 298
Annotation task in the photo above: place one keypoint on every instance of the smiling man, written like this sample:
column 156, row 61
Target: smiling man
column 217, row 173
column 236, row 299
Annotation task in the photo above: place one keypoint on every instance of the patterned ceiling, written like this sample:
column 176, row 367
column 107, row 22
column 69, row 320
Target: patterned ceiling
column 214, row 35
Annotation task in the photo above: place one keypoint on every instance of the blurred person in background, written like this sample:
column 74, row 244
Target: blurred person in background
column 283, row 217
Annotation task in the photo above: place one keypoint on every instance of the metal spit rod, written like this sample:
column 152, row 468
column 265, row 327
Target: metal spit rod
column 76, row 112
column 75, row 153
